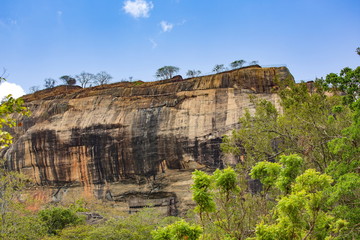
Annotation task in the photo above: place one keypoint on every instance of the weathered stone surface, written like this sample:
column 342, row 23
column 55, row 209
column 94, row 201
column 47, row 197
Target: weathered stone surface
column 125, row 137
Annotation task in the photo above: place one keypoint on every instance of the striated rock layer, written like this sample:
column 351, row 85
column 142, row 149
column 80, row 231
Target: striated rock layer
column 134, row 141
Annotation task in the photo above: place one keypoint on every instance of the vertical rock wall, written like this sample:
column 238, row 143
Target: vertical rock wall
column 126, row 134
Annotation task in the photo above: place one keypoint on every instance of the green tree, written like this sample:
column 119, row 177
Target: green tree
column 253, row 63
column 358, row 50
column 68, row 80
column 15, row 221
column 219, row 68
column 323, row 130
column 226, row 208
column 166, row 72
column 177, row 231
column 267, row 172
column 193, row 73
column 308, row 122
column 304, row 212
column 348, row 81
column 202, row 193
column 134, row 227
column 57, row 218
column 8, row 106
column 237, row 64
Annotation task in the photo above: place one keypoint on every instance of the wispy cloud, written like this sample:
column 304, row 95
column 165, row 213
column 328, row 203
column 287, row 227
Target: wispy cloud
column 182, row 22
column 166, row 27
column 13, row 22
column 8, row 23
column 153, row 43
column 138, row 8
column 59, row 17
column 2, row 23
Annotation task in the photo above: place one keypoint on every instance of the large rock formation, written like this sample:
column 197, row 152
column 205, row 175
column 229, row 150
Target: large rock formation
column 134, row 142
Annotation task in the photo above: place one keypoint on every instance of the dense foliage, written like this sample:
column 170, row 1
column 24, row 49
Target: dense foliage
column 57, row 218
column 320, row 123
column 166, row 72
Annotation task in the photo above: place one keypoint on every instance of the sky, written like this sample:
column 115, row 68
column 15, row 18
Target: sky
column 42, row 39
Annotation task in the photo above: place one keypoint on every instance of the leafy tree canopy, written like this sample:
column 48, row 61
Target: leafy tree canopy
column 166, row 72
column 193, row 73
column 323, row 130
column 68, row 80
column 219, row 68
column 237, row 64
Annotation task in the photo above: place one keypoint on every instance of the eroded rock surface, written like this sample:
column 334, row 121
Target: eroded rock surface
column 132, row 137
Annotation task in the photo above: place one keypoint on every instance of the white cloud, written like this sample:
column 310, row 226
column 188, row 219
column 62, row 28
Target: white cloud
column 7, row 88
column 166, row 27
column 138, row 8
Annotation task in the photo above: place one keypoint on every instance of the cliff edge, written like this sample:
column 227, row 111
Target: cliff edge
column 136, row 142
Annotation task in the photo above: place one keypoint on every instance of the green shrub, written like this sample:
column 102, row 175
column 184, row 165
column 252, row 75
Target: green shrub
column 178, row 231
column 57, row 218
column 137, row 83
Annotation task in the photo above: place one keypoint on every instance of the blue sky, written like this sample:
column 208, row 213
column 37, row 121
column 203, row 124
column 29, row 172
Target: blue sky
column 51, row 38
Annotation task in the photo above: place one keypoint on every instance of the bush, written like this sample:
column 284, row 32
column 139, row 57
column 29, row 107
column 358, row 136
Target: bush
column 178, row 231
column 57, row 218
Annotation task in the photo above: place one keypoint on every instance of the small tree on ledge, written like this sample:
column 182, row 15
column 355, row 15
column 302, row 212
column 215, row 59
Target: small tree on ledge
column 237, row 64
column 68, row 80
column 166, row 72
column 193, row 73
column 219, row 68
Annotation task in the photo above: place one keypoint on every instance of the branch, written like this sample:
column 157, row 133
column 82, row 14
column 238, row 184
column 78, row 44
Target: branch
column 2, row 76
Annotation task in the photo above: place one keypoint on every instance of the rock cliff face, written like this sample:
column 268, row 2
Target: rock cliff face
column 134, row 142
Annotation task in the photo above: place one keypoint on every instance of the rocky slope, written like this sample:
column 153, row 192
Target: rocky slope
column 135, row 143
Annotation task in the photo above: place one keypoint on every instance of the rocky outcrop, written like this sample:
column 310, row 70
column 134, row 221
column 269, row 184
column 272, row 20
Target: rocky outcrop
column 131, row 139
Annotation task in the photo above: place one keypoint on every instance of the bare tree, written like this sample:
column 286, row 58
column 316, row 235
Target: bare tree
column 85, row 79
column 219, row 68
column 2, row 75
column 34, row 89
column 102, row 78
column 193, row 73
column 49, row 82
column 166, row 72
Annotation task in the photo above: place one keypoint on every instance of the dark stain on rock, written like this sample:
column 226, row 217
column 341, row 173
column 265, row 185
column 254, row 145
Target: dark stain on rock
column 211, row 153
column 145, row 142
column 44, row 147
column 112, row 154
column 102, row 149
